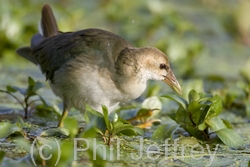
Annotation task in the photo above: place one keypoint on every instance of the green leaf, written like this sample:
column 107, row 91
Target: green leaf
column 195, row 109
column 119, row 122
column 165, row 131
column 23, row 91
column 43, row 101
column 182, row 117
column 198, row 112
column 187, row 140
column 33, row 86
column 132, row 132
column 193, row 131
column 204, row 96
column 71, row 125
column 31, row 82
column 2, row 154
column 47, row 112
column 139, row 131
column 152, row 103
column 120, row 128
column 144, row 112
column 13, row 162
column 113, row 117
column 92, row 111
column 31, row 93
column 172, row 116
column 229, row 126
column 181, row 101
column 203, row 114
column 11, row 89
column 66, row 157
column 106, row 118
column 193, row 96
column 216, row 123
column 23, row 143
column 98, row 155
column 100, row 131
column 215, row 107
column 55, row 132
column 93, row 115
column 8, row 129
column 230, row 138
column 202, row 126
column 20, row 123
column 205, row 109
column 90, row 130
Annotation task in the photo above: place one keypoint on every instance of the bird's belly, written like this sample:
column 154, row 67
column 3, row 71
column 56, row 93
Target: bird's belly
column 83, row 86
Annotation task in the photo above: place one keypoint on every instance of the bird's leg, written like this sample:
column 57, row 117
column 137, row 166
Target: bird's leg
column 64, row 115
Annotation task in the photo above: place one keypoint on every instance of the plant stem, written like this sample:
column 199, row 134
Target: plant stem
column 109, row 138
column 205, row 133
column 14, row 98
column 32, row 102
column 26, row 106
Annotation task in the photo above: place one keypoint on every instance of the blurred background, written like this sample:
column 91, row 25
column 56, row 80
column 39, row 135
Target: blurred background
column 206, row 40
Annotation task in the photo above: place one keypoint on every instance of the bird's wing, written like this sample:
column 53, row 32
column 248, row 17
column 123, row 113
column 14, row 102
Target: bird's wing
column 94, row 44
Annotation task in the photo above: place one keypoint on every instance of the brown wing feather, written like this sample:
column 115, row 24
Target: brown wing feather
column 53, row 49
column 94, row 44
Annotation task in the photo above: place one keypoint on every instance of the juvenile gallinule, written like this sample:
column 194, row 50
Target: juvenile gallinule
column 94, row 66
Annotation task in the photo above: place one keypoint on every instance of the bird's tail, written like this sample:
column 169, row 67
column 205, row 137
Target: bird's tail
column 47, row 28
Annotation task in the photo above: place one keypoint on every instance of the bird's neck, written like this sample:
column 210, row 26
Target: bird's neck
column 130, row 78
column 130, row 86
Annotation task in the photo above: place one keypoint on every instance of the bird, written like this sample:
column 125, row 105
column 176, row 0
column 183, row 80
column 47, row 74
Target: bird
column 94, row 66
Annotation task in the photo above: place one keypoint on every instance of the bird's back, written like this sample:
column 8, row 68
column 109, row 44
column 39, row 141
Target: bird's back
column 95, row 45
column 51, row 49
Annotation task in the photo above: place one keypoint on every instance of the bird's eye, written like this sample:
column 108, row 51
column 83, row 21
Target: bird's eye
column 163, row 66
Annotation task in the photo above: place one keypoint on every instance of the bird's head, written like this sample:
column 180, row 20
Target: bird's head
column 154, row 65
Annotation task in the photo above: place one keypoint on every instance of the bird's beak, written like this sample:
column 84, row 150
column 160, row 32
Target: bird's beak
column 173, row 82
